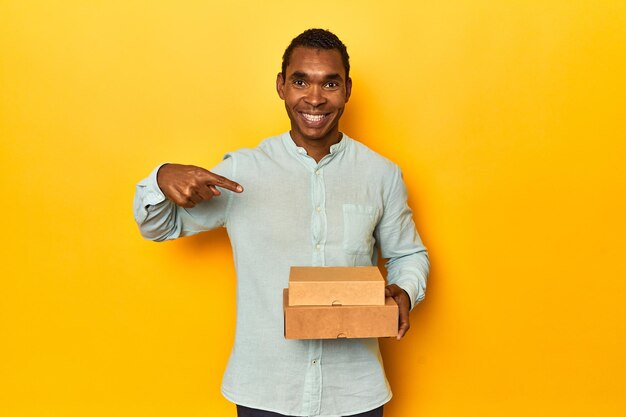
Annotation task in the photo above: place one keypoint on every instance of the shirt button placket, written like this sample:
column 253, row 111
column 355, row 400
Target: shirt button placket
column 319, row 203
column 318, row 220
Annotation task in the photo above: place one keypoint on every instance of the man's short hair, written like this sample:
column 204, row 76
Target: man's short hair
column 317, row 39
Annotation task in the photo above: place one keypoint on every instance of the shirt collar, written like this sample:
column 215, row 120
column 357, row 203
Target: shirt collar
column 334, row 149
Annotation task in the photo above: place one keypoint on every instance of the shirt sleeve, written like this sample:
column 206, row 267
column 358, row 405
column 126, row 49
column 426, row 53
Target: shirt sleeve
column 408, row 264
column 160, row 219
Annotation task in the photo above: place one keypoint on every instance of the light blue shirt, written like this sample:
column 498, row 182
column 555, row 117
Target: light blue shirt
column 297, row 212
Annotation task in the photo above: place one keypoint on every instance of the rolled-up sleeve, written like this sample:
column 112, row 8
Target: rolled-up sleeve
column 160, row 219
column 408, row 264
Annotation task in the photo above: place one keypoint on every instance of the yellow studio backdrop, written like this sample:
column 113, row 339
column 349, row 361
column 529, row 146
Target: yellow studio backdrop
column 507, row 119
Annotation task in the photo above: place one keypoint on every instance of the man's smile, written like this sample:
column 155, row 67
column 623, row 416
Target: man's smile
column 312, row 119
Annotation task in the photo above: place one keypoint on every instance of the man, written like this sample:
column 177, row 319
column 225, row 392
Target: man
column 313, row 197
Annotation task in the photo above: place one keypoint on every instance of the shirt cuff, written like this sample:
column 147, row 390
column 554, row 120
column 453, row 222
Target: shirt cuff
column 415, row 295
column 152, row 194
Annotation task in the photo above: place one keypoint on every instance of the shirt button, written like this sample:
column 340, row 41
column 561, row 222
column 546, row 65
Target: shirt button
column 318, row 246
column 318, row 208
column 314, row 361
column 317, row 172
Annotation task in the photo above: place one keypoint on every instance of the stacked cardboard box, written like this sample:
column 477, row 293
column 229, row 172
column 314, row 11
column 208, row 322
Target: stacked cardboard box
column 338, row 302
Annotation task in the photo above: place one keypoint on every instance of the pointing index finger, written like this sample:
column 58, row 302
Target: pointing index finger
column 224, row 182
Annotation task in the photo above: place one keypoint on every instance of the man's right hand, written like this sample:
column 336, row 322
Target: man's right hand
column 188, row 185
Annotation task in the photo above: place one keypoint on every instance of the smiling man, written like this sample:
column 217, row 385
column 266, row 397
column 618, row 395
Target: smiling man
column 315, row 86
column 313, row 197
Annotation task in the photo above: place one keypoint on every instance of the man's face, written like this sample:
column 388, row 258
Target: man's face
column 315, row 91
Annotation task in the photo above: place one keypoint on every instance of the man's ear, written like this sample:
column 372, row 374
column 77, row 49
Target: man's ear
column 280, row 85
column 348, row 89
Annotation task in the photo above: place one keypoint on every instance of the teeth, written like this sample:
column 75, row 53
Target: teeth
column 313, row 117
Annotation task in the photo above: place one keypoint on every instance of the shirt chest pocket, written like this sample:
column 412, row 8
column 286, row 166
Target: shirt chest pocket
column 359, row 222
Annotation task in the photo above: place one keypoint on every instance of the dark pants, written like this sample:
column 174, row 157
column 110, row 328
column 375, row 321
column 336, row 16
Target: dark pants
column 253, row 412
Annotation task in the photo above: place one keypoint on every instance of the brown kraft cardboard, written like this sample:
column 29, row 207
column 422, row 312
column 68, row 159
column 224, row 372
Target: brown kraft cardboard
column 333, row 322
column 326, row 286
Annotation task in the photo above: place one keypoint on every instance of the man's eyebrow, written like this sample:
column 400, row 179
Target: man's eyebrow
column 298, row 74
column 330, row 77
column 334, row 77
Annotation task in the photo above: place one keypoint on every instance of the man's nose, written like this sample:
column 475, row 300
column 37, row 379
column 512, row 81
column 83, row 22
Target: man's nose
column 315, row 96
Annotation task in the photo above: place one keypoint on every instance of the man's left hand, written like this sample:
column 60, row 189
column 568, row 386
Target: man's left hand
column 404, row 305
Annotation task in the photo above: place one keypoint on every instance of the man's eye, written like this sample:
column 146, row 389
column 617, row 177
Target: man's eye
column 299, row 83
column 332, row 85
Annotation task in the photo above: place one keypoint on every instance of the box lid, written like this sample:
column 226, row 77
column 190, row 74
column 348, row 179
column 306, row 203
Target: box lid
column 361, row 285
column 335, row 273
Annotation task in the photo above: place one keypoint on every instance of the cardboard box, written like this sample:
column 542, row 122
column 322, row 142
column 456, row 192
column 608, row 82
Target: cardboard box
column 336, row 322
column 327, row 286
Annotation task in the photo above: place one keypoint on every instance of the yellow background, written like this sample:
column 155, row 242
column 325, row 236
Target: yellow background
column 508, row 119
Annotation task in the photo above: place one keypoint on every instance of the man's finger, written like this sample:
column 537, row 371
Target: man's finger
column 205, row 193
column 224, row 182
column 185, row 202
column 214, row 190
column 403, row 301
column 404, row 322
column 180, row 199
column 195, row 197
